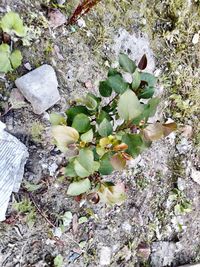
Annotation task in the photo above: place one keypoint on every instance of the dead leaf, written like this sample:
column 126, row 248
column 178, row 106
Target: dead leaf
column 169, row 128
column 93, row 197
column 120, row 147
column 143, row 62
column 112, row 194
column 153, row 131
column 56, row 18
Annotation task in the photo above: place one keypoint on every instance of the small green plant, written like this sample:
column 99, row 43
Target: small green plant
column 182, row 204
column 102, row 135
column 12, row 25
column 26, row 209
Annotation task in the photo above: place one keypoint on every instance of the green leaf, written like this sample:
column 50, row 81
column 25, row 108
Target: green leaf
column 5, row 48
column 103, row 115
column 135, row 144
column 58, row 261
column 148, row 78
column 16, row 59
column 73, row 111
column 69, row 170
column 105, row 164
column 136, row 80
column 32, row 187
column 112, row 72
column 84, row 163
column 80, row 187
column 117, row 83
column 88, row 136
column 105, row 89
column 129, row 106
column 147, row 93
column 126, row 63
column 105, row 128
column 64, row 136
column 91, row 101
column 12, row 23
column 57, row 119
column 81, row 123
column 5, row 65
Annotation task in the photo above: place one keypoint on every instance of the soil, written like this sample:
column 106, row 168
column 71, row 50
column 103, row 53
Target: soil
column 146, row 230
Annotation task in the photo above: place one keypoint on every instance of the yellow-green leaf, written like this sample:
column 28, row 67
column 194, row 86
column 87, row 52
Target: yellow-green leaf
column 64, row 135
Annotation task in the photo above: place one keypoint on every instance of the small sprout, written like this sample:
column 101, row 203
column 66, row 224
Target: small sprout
column 9, row 60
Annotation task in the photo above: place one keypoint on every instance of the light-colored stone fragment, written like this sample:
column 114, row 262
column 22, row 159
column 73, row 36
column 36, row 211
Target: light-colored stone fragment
column 105, row 256
column 135, row 46
column 13, row 155
column 40, row 88
column 195, row 175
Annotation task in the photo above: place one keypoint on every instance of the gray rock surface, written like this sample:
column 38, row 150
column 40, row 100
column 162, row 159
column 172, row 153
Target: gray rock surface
column 135, row 46
column 163, row 253
column 13, row 155
column 40, row 88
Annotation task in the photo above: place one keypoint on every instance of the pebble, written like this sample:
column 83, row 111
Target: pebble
column 39, row 87
column 195, row 175
column 105, row 256
column 126, row 227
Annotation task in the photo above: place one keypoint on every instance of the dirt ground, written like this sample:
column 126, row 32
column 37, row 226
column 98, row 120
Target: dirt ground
column 159, row 223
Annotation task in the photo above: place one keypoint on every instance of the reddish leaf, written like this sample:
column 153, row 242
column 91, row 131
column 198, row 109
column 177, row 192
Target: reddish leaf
column 143, row 62
column 118, row 162
column 120, row 147
column 93, row 197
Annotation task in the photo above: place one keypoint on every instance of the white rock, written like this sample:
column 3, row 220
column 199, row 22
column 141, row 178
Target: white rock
column 105, row 256
column 40, row 88
column 195, row 175
column 13, row 155
column 195, row 38
column 126, row 227
column 135, row 46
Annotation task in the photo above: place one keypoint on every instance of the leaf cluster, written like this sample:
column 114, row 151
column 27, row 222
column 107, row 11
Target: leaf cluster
column 102, row 138
column 12, row 25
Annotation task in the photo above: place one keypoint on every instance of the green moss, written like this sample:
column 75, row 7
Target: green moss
column 36, row 131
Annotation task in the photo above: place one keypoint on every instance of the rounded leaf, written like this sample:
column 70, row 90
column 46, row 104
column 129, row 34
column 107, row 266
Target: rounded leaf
column 81, row 123
column 105, row 128
column 129, row 106
column 80, row 187
column 12, row 22
column 126, row 63
column 64, row 135
column 117, row 83
column 105, row 89
column 16, row 59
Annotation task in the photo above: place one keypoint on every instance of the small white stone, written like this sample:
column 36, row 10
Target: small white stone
column 105, row 256
column 81, row 23
column 195, row 175
column 39, row 87
column 195, row 38
column 126, row 227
